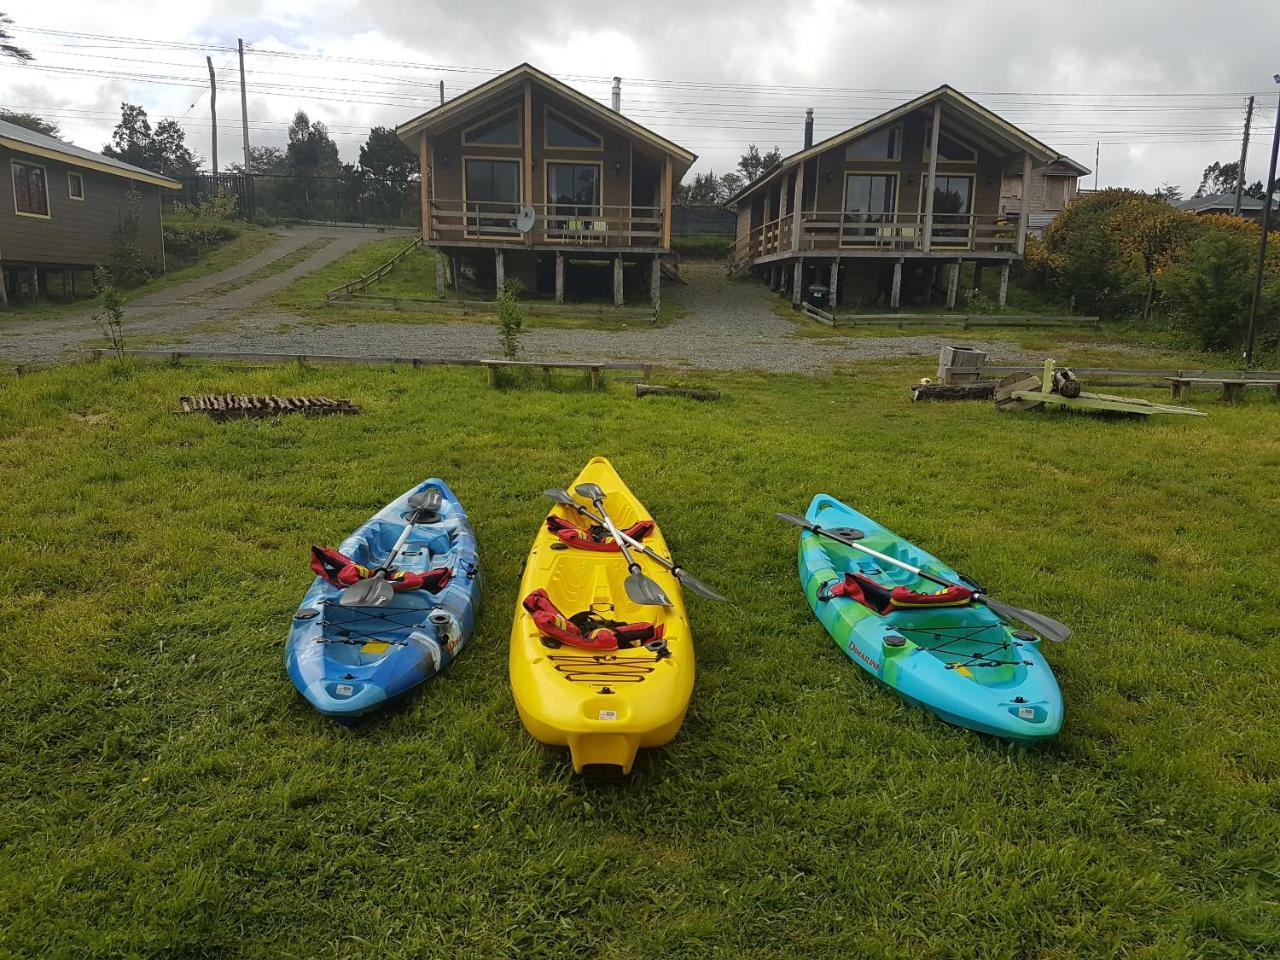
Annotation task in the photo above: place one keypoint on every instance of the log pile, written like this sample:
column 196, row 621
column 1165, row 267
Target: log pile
column 222, row 406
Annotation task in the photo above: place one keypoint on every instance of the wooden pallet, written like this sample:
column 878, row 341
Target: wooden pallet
column 1022, row 392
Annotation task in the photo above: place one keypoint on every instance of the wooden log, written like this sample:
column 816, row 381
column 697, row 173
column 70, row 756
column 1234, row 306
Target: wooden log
column 657, row 390
column 953, row 391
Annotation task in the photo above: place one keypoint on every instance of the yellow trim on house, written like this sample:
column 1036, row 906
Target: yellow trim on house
column 13, row 182
column 19, row 146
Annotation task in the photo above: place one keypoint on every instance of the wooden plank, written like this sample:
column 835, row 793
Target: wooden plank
column 927, row 239
column 567, row 364
column 1022, row 215
column 796, row 205
column 667, row 177
column 528, row 192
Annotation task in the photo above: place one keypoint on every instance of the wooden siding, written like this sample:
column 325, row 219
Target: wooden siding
column 77, row 232
column 1012, row 195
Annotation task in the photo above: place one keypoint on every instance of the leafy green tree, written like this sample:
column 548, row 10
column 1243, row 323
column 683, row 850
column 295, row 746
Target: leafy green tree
column 262, row 160
column 385, row 156
column 703, row 191
column 1210, row 288
column 753, row 163
column 1220, row 178
column 8, row 49
column 163, row 150
column 31, row 121
column 311, row 151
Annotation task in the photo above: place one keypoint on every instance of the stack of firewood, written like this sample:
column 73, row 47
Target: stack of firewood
column 221, row 406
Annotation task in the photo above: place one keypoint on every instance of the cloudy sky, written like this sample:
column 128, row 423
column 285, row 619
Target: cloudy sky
column 1162, row 85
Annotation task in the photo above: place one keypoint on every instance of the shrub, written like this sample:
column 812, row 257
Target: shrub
column 110, row 313
column 1210, row 288
column 510, row 319
column 977, row 302
column 130, row 264
column 193, row 229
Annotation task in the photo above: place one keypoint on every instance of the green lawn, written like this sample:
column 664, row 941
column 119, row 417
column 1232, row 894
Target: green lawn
column 415, row 276
column 249, row 240
column 168, row 794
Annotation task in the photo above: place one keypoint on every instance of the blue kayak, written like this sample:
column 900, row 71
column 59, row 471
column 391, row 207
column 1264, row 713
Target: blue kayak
column 348, row 660
column 962, row 662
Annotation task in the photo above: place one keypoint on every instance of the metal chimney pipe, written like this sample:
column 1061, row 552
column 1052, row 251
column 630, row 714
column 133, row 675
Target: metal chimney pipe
column 808, row 128
column 617, row 94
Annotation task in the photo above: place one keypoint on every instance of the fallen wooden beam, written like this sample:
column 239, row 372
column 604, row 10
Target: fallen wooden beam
column 980, row 390
column 657, row 390
column 226, row 405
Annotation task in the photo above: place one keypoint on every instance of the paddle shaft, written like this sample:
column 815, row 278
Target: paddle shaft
column 617, row 536
column 940, row 581
column 630, row 541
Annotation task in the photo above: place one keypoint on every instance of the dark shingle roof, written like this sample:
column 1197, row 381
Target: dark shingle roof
column 16, row 137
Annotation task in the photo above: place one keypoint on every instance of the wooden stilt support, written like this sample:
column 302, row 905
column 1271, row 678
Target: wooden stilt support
column 500, row 271
column 559, row 277
column 4, row 294
column 834, row 286
column 1004, row 283
column 441, row 281
column 617, row 281
column 33, row 290
column 895, row 294
column 953, row 285
column 655, row 282
column 797, row 282
column 977, row 275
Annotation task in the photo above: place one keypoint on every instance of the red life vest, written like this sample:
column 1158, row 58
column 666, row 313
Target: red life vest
column 884, row 600
column 341, row 571
column 595, row 538
column 587, row 630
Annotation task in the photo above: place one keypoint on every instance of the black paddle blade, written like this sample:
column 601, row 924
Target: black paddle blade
column 427, row 502
column 589, row 490
column 645, row 591
column 1045, row 626
column 697, row 586
column 373, row 592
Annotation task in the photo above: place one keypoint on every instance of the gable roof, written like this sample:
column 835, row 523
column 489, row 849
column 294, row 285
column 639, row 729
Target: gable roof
column 447, row 111
column 38, row 144
column 1219, row 201
column 965, row 107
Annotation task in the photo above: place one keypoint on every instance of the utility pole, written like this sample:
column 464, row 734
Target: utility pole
column 213, row 112
column 442, row 93
column 1244, row 155
column 1097, row 155
column 244, row 108
column 1262, row 245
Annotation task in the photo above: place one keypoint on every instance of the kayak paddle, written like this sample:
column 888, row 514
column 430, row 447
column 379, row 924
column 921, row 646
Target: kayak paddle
column 680, row 573
column 374, row 590
column 1055, row 631
column 640, row 588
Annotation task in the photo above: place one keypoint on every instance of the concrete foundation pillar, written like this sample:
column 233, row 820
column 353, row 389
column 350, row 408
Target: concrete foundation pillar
column 655, row 282
column 953, row 284
column 559, row 278
column 834, row 286
column 499, row 270
column 895, row 293
column 797, row 282
column 617, row 282
column 1004, row 283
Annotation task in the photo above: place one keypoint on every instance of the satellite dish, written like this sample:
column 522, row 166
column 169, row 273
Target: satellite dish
column 525, row 221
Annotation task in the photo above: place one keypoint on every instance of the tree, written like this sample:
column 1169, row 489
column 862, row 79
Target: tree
column 1211, row 286
column 8, row 49
column 753, row 163
column 163, row 150
column 31, row 122
column 385, row 156
column 311, row 151
column 703, row 191
column 730, row 184
column 1219, row 178
column 262, row 160
column 1168, row 192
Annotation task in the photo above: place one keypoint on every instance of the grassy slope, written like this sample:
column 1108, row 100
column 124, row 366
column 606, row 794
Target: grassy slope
column 415, row 276
column 250, row 239
column 166, row 793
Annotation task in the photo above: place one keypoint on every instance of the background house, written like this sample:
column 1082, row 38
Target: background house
column 597, row 184
column 876, row 210
column 60, row 208
column 1053, row 186
column 1250, row 207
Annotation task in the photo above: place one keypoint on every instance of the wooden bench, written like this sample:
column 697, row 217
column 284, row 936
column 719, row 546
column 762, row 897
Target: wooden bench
column 595, row 368
column 1233, row 388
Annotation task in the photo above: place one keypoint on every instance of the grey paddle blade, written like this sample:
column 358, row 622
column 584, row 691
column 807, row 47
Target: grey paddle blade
column 427, row 502
column 691, row 582
column 561, row 496
column 645, row 591
column 1045, row 626
column 589, row 490
column 373, row 592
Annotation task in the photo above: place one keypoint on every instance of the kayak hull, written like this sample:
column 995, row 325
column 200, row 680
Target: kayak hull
column 348, row 661
column 603, row 706
column 964, row 664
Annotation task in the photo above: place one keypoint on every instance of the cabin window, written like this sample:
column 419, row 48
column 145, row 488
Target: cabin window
column 883, row 145
column 492, row 196
column 949, row 148
column 952, row 205
column 500, row 131
column 873, row 195
column 1055, row 193
column 30, row 190
column 573, row 189
column 563, row 132
column 75, row 185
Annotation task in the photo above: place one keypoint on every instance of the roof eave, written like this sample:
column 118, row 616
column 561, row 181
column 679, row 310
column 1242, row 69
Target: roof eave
column 75, row 160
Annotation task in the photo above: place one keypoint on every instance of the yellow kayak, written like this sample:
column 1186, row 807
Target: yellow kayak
column 590, row 669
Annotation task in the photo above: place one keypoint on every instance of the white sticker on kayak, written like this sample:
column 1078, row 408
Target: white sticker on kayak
column 608, row 714
column 344, row 689
column 1027, row 713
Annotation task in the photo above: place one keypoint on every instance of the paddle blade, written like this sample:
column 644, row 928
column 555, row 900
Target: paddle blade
column 792, row 518
column 1045, row 626
column 561, row 496
column 426, row 504
column 691, row 582
column 589, row 490
column 645, row 591
column 373, row 592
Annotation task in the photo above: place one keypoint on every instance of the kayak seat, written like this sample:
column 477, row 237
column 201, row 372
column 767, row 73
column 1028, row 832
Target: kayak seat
column 595, row 537
column 883, row 600
column 588, row 630
column 341, row 571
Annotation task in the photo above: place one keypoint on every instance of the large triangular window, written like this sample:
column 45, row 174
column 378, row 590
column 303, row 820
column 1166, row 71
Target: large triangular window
column 564, row 133
column 502, row 130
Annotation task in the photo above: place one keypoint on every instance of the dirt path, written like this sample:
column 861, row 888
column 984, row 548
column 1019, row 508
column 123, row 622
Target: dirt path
column 179, row 308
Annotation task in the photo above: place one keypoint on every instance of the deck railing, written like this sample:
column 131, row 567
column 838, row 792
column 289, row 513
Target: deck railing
column 561, row 224
column 881, row 232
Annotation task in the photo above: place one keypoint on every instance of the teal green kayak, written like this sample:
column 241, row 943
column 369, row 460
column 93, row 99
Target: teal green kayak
column 951, row 656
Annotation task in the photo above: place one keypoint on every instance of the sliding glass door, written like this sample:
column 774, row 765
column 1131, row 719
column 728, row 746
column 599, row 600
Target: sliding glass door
column 952, row 209
column 870, row 202
column 493, row 197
